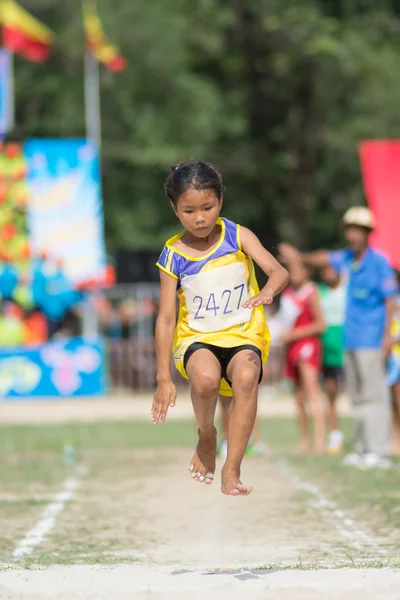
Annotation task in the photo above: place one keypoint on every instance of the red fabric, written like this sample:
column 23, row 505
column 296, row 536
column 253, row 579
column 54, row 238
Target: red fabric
column 307, row 349
column 301, row 299
column 380, row 165
column 16, row 41
column 117, row 64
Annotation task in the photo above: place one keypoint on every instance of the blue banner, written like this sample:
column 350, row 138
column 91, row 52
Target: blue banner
column 64, row 369
column 5, row 82
column 65, row 215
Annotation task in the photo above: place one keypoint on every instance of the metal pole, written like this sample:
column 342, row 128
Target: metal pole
column 90, row 318
column 92, row 99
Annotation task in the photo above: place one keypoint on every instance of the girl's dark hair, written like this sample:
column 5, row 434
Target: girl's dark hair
column 195, row 174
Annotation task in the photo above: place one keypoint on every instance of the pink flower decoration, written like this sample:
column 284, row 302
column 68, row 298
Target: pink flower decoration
column 66, row 380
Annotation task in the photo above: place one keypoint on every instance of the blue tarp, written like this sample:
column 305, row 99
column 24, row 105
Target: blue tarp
column 75, row 367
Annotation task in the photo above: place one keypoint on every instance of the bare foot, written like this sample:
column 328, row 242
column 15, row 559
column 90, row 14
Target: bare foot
column 318, row 449
column 303, row 447
column 231, row 484
column 202, row 465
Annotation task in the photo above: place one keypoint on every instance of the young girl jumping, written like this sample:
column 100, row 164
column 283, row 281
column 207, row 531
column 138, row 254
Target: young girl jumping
column 221, row 338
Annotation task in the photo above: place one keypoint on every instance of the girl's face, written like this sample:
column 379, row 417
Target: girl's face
column 198, row 211
column 330, row 276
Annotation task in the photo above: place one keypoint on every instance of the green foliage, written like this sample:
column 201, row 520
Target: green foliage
column 277, row 94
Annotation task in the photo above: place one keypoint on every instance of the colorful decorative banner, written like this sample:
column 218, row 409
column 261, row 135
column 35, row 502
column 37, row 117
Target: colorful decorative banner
column 380, row 163
column 65, row 210
column 96, row 41
column 64, row 369
column 5, row 81
column 23, row 34
column 14, row 245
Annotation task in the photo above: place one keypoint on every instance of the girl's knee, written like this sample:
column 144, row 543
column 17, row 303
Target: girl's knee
column 245, row 379
column 206, row 384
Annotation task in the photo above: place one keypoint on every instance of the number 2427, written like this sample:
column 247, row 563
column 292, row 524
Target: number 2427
column 211, row 304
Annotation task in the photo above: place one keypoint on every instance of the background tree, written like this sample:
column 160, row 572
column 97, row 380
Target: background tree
column 277, row 94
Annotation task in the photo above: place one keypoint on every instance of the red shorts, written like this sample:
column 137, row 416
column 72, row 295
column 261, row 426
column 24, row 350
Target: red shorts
column 303, row 351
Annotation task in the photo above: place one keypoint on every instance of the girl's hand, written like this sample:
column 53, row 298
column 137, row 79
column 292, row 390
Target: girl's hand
column 164, row 397
column 264, row 297
column 288, row 253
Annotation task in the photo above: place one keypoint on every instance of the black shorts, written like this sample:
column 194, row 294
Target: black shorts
column 223, row 355
column 335, row 373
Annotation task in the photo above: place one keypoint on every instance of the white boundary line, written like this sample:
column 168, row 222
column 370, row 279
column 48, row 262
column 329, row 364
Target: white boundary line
column 348, row 529
column 47, row 519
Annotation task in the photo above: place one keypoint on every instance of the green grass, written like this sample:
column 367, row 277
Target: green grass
column 372, row 492
column 32, row 469
column 51, row 438
column 34, row 454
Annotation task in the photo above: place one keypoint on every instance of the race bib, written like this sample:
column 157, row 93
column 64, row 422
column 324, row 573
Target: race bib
column 214, row 299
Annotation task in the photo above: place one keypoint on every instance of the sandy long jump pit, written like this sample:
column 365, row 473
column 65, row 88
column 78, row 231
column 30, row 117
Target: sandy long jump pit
column 126, row 582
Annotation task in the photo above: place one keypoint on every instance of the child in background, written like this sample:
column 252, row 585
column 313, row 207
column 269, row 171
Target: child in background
column 276, row 325
column 303, row 352
column 255, row 447
column 220, row 339
column 333, row 302
column 393, row 373
column 225, row 407
column 274, row 319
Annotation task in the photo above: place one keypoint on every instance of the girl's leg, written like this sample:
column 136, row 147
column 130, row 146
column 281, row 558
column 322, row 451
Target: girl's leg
column 396, row 417
column 312, row 390
column 225, row 403
column 244, row 372
column 225, row 406
column 335, row 438
column 302, row 417
column 204, row 372
column 256, row 433
column 256, row 446
column 332, row 390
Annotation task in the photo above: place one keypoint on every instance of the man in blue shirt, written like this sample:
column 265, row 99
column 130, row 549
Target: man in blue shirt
column 371, row 288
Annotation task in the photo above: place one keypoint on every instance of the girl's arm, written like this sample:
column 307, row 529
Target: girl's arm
column 315, row 328
column 318, row 258
column 278, row 276
column 165, row 394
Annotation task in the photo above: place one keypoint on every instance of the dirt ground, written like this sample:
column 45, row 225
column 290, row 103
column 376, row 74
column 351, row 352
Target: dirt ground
column 182, row 539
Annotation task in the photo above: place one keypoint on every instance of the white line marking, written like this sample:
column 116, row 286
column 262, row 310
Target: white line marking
column 47, row 520
column 332, row 513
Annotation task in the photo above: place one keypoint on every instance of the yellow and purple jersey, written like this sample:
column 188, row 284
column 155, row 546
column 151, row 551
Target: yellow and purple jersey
column 211, row 291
